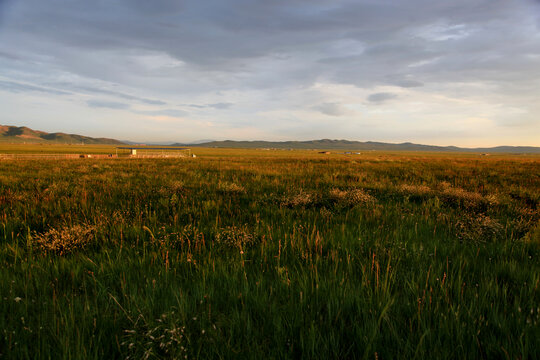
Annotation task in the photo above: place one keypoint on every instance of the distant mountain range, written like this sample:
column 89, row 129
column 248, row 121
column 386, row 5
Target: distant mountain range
column 22, row 134
column 328, row 144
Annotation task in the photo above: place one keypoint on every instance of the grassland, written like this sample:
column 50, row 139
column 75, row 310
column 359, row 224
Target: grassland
column 270, row 254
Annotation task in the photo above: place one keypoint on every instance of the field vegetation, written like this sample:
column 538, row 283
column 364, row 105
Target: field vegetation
column 270, row 254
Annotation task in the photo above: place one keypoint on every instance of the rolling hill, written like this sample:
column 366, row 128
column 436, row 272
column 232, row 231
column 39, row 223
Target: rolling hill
column 329, row 144
column 23, row 134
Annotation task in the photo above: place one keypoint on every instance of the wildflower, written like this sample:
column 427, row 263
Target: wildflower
column 17, row 299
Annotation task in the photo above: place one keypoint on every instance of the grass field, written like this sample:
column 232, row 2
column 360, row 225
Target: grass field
column 270, row 254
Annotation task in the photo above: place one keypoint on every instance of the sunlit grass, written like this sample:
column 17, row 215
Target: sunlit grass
column 270, row 254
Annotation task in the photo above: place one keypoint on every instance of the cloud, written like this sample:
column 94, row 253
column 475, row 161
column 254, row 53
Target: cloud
column 9, row 55
column 265, row 56
column 123, row 96
column 219, row 106
column 107, row 104
column 381, row 97
column 332, row 109
column 63, row 88
column 222, row 44
column 408, row 83
column 166, row 112
column 17, row 87
column 102, row 91
column 120, row 95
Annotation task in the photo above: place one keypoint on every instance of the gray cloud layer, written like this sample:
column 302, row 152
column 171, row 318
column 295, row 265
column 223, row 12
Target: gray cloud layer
column 220, row 106
column 107, row 104
column 358, row 42
column 17, row 87
column 331, row 109
column 381, row 97
column 152, row 54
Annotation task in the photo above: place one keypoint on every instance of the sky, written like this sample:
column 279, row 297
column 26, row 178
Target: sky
column 460, row 72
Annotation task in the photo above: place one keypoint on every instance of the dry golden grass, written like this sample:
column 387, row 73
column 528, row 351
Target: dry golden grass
column 235, row 237
column 271, row 254
column 480, row 228
column 534, row 234
column 415, row 189
column 300, row 199
column 231, row 188
column 468, row 197
column 351, row 197
column 64, row 240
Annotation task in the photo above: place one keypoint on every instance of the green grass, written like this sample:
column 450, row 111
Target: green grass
column 270, row 254
column 56, row 149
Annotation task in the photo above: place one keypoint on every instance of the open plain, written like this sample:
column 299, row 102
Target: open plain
column 269, row 254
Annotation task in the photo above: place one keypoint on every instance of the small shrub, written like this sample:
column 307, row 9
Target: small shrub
column 534, row 234
column 235, row 237
column 492, row 199
column 231, row 188
column 65, row 240
column 463, row 197
column 188, row 237
column 165, row 338
column 302, row 199
column 325, row 213
column 351, row 197
column 176, row 187
column 480, row 228
column 9, row 197
column 415, row 189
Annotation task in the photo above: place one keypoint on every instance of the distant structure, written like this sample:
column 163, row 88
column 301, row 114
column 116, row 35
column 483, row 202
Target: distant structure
column 152, row 151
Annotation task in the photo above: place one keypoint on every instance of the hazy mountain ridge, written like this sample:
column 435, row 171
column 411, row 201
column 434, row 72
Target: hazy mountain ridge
column 21, row 134
column 359, row 145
